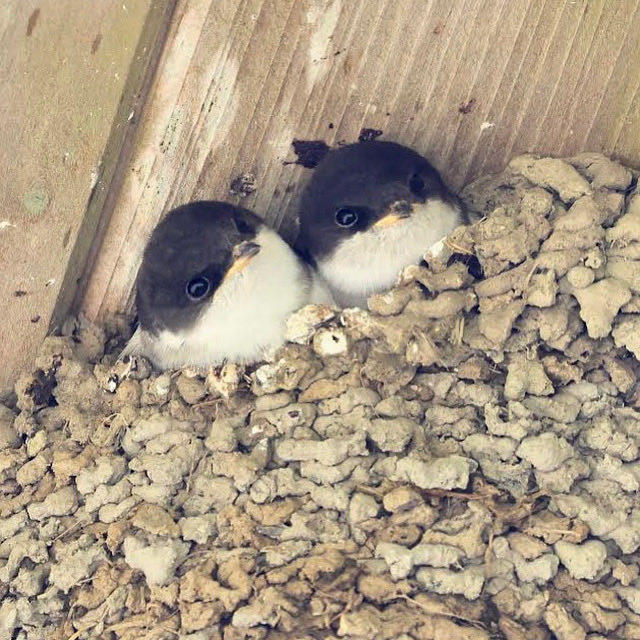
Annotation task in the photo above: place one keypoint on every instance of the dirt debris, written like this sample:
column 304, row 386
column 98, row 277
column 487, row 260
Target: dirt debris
column 461, row 460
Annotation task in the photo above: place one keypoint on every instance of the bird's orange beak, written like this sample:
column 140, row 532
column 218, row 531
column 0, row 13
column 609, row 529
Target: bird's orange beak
column 397, row 212
column 241, row 256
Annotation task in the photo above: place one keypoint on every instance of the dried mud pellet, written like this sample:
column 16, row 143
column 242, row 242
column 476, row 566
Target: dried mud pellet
column 459, row 457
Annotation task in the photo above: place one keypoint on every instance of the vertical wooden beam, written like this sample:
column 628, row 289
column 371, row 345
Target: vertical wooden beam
column 67, row 86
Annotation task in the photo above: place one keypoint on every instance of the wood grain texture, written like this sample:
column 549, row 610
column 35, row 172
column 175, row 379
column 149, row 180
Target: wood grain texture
column 469, row 83
column 64, row 71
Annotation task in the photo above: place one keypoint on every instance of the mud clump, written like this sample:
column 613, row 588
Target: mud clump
column 309, row 152
column 243, row 185
column 461, row 460
column 367, row 134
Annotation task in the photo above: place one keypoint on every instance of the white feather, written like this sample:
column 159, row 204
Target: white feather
column 245, row 319
column 370, row 261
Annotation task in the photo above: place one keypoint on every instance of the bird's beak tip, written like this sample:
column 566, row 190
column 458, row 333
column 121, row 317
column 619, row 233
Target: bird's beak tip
column 246, row 249
column 397, row 212
column 242, row 255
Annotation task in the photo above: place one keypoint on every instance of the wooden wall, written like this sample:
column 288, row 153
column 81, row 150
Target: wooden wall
column 467, row 82
column 71, row 72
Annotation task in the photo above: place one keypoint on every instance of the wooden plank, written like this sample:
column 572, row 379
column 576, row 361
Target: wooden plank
column 63, row 97
column 468, row 83
column 116, row 154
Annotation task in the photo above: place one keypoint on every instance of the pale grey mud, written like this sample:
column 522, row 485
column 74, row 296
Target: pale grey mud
column 459, row 461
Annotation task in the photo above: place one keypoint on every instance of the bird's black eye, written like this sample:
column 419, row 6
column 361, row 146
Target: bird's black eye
column 416, row 184
column 197, row 288
column 346, row 217
column 242, row 226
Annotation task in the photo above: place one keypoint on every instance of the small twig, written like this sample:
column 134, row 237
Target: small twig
column 77, row 524
column 445, row 493
column 527, row 280
column 208, row 403
column 128, row 624
column 79, row 632
column 371, row 491
column 444, row 614
column 457, row 248
column 458, row 332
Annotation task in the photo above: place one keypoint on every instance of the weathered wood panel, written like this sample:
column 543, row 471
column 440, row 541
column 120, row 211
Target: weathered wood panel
column 469, row 83
column 65, row 101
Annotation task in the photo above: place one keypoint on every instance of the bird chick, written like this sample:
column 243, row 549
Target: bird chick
column 217, row 284
column 369, row 210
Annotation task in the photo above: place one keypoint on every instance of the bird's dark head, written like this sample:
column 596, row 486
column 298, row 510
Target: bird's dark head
column 364, row 187
column 195, row 248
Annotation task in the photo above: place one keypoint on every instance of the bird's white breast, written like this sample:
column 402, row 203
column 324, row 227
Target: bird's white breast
column 370, row 261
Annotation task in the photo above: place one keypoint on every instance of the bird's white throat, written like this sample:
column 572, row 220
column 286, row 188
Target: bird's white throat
column 370, row 261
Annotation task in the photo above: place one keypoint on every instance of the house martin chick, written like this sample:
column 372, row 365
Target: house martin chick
column 217, row 284
column 369, row 210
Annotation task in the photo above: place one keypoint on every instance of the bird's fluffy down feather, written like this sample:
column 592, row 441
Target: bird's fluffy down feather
column 245, row 319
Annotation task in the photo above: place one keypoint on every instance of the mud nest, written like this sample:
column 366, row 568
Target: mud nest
column 459, row 461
